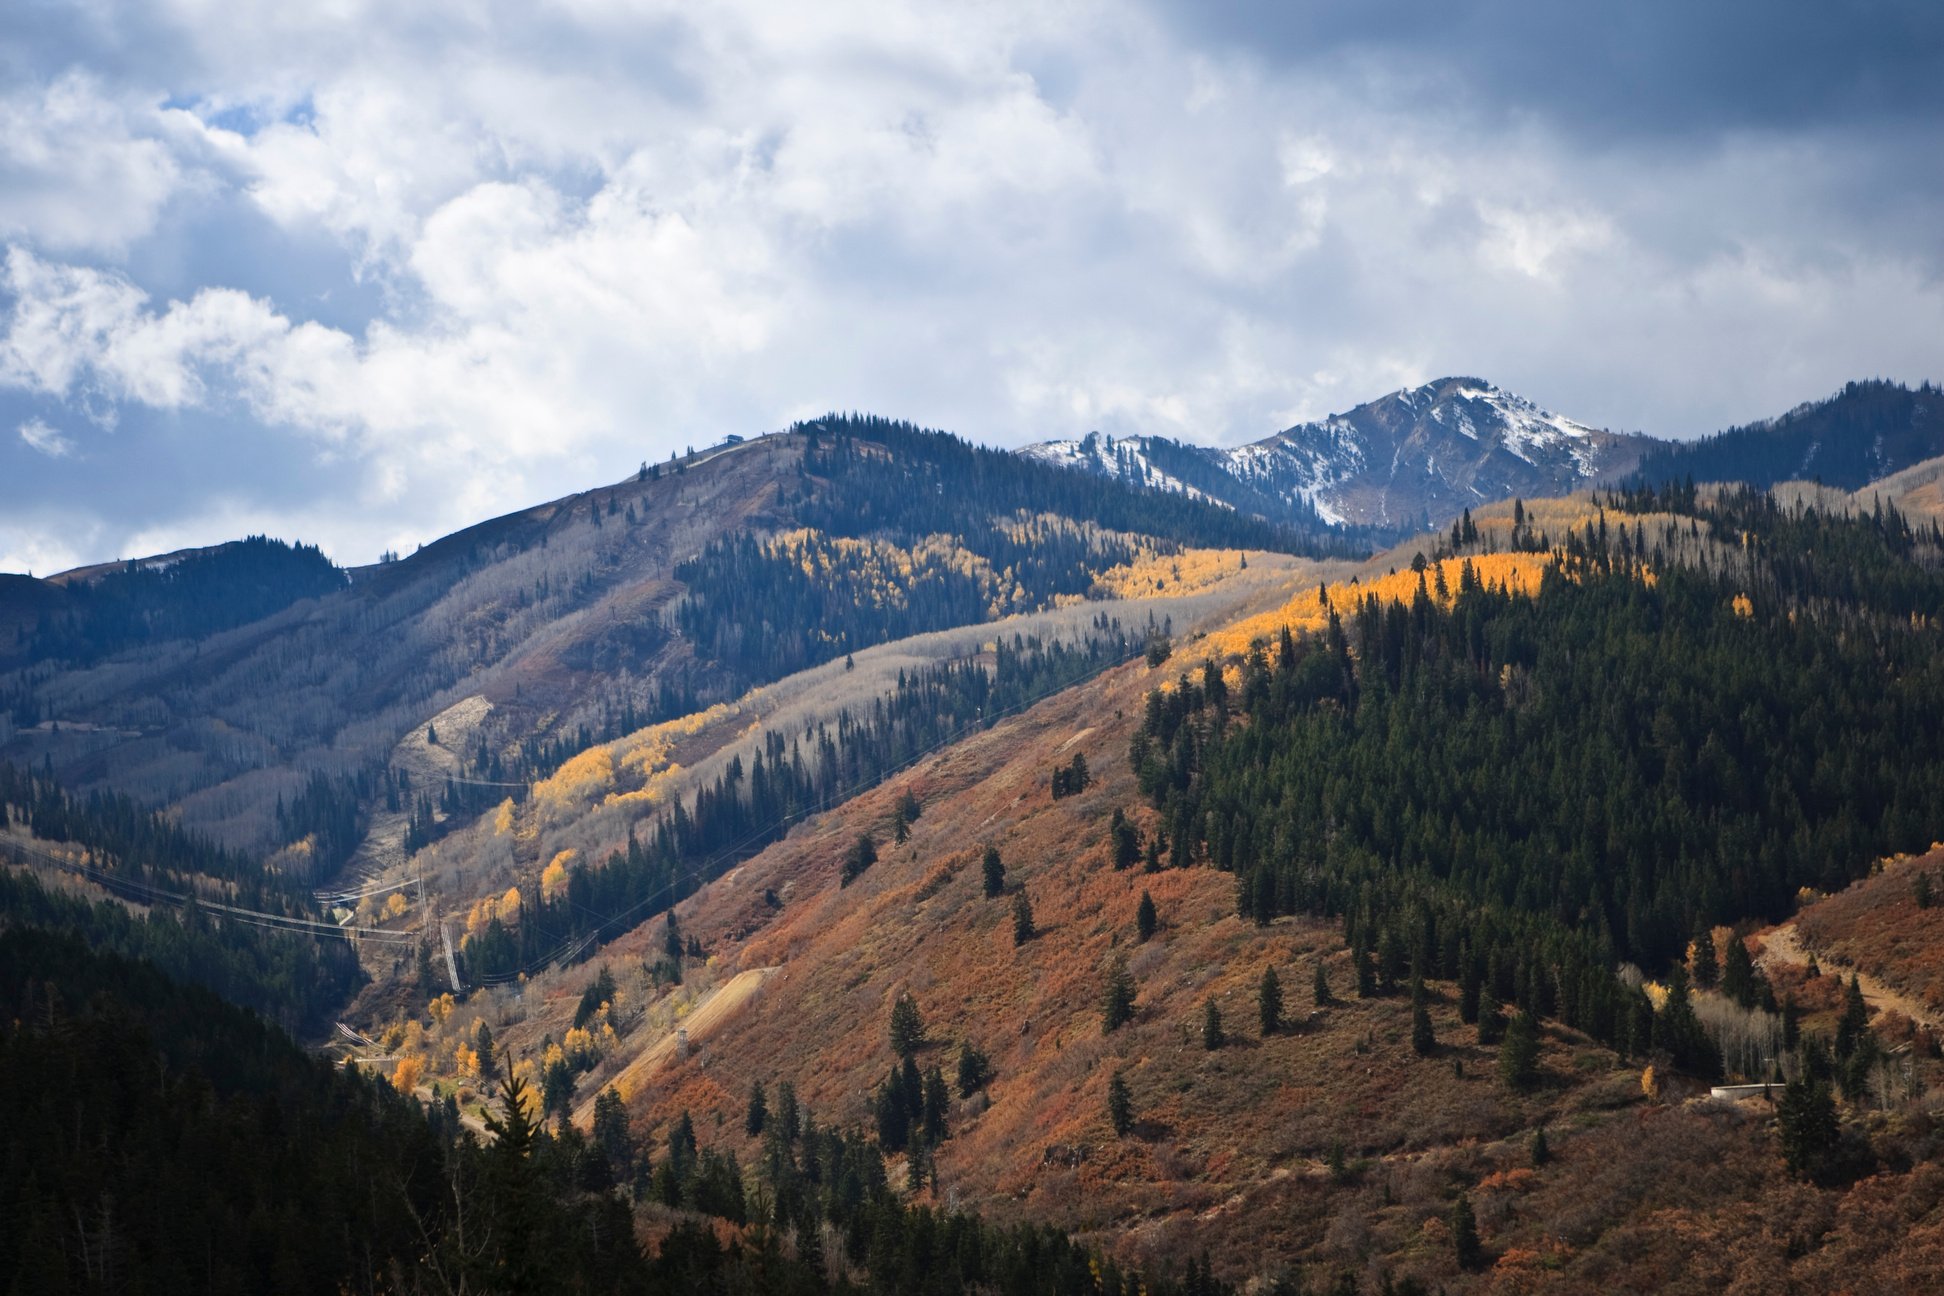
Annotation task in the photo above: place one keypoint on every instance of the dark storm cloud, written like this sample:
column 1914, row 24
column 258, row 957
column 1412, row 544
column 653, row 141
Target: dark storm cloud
column 1659, row 69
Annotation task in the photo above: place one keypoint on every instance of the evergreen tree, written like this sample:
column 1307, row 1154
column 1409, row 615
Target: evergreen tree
column 1491, row 1019
column 907, row 1026
column 1470, row 983
column 1269, row 1002
column 613, row 1137
column 1120, row 1104
column 1022, row 909
column 995, row 873
column 1464, row 1233
column 974, row 1070
column 1117, row 1002
column 1806, row 1119
column 1705, row 969
column 1855, row 1021
column 758, row 1115
column 789, row 1119
column 936, row 1104
column 1321, row 986
column 1422, row 1038
column 1739, row 980
column 1126, row 841
column 1212, row 1037
column 1366, row 970
column 1921, row 889
column 1791, row 1023
column 1519, row 1056
column 1145, row 919
column 1541, row 1149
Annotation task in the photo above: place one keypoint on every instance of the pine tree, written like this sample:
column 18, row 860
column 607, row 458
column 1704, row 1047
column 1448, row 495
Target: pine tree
column 1321, row 985
column 515, row 1200
column 995, row 873
column 935, row 1106
column 1791, row 1023
column 1806, row 1119
column 1855, row 1021
column 907, row 1026
column 1269, row 1002
column 1023, row 929
column 758, row 1115
column 1145, row 919
column 1464, row 1232
column 789, row 1119
column 1921, row 889
column 1126, row 840
column 1470, row 982
column 1491, row 1021
column 1117, row 1002
column 974, row 1071
column 1423, row 1041
column 1738, row 977
column 1212, row 1037
column 1704, row 968
column 613, row 1136
column 1120, row 1104
column 1541, row 1149
column 1519, row 1057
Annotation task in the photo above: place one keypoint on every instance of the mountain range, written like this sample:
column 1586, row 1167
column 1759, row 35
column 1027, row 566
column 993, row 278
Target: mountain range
column 1418, row 457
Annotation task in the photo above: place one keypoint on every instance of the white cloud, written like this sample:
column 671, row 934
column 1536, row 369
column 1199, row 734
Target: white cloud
column 48, row 440
column 601, row 231
column 79, row 171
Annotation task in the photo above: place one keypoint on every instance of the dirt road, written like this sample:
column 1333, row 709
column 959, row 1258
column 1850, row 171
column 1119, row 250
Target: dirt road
column 1784, row 945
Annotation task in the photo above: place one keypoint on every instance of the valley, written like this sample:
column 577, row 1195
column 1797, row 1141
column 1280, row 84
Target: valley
column 1253, row 911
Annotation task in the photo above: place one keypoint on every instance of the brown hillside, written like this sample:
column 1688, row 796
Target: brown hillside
column 1331, row 1145
column 1231, row 1149
column 1878, row 928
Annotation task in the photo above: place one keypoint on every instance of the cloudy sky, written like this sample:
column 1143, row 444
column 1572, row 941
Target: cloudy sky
column 362, row 271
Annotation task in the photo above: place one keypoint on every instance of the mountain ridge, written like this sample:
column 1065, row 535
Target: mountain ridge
column 1410, row 459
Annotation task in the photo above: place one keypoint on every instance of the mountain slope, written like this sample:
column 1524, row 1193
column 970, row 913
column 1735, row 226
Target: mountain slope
column 1866, row 431
column 1409, row 460
column 555, row 627
column 1335, row 1144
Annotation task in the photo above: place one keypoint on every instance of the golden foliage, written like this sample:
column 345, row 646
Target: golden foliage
column 1518, row 572
column 1743, row 607
column 405, row 1076
column 553, row 878
column 1188, row 572
column 503, row 818
column 1656, row 994
column 1650, row 1084
column 509, row 906
column 441, row 1008
column 465, row 1060
column 396, row 905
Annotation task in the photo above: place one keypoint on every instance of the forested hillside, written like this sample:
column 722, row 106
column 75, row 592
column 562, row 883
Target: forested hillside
column 138, row 885
column 1440, row 906
column 1866, row 431
column 165, row 1141
column 252, row 692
